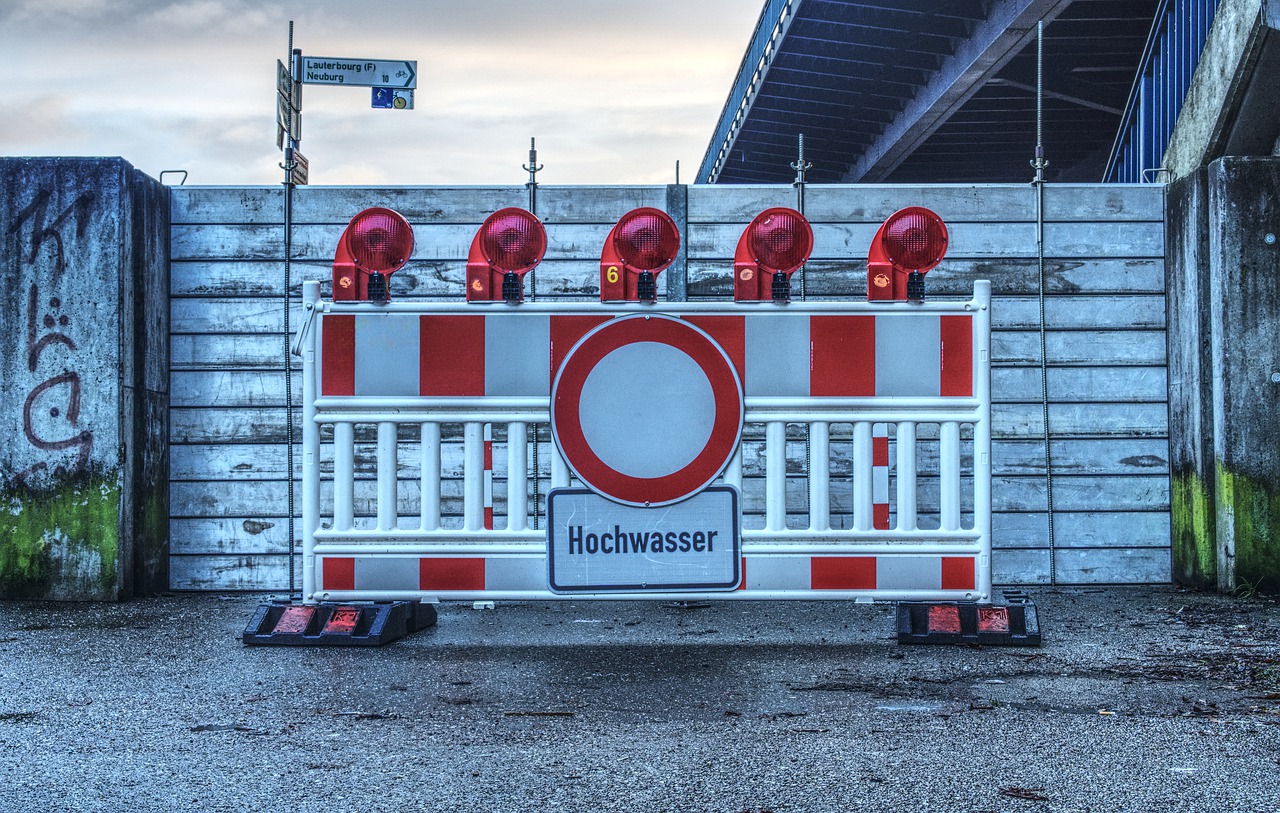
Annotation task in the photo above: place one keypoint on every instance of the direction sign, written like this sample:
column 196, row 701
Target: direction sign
column 331, row 70
column 284, row 82
column 298, row 166
column 288, row 121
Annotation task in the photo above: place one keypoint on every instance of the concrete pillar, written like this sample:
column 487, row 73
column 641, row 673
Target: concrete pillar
column 1190, row 381
column 1244, row 319
column 83, row 380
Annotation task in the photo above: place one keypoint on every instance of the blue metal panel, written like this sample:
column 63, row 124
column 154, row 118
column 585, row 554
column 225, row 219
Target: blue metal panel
column 750, row 72
column 1178, row 35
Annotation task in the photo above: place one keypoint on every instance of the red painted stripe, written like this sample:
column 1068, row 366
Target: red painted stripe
column 451, row 355
column 730, row 332
column 743, row 585
column 842, row 572
column 488, row 455
column 488, row 517
column 842, row 355
column 565, row 332
column 958, row 573
column 451, row 574
column 880, row 516
column 880, row 451
column 338, row 356
column 957, row 355
column 338, row 573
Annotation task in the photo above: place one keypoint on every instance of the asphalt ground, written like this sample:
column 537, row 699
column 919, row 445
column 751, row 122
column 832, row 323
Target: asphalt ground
column 1141, row 699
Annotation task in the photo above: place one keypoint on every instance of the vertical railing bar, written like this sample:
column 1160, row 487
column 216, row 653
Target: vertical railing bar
column 733, row 470
column 949, row 475
column 472, row 476
column 862, row 477
column 387, row 509
column 775, row 455
column 906, row 475
column 559, row 469
column 310, row 444
column 820, row 476
column 430, row 451
column 517, row 476
column 344, row 467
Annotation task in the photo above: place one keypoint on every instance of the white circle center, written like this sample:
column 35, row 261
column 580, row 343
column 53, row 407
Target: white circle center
column 647, row 410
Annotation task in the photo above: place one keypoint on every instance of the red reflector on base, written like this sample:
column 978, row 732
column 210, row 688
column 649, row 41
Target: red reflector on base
column 295, row 619
column 993, row 619
column 944, row 618
column 343, row 621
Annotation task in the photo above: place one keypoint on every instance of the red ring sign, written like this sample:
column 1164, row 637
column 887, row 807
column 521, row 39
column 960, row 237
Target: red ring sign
column 647, row 410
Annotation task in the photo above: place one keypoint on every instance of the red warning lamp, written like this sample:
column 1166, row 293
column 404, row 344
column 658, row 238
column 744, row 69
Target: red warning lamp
column 376, row 243
column 640, row 246
column 510, row 243
column 908, row 244
column 770, row 250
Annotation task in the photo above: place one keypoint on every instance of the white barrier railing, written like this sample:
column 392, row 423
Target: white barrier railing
column 839, row 532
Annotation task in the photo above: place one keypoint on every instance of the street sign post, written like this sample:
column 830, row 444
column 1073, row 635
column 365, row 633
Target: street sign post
column 388, row 73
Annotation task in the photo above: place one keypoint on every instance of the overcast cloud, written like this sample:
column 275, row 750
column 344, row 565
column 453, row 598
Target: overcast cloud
column 615, row 92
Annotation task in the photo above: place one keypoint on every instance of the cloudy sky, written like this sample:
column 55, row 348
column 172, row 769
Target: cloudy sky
column 615, row 91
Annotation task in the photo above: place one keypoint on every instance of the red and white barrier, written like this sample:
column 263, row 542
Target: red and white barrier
column 865, row 381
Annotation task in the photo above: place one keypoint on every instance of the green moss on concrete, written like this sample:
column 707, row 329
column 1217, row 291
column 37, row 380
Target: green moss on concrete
column 61, row 540
column 1255, row 505
column 1195, row 560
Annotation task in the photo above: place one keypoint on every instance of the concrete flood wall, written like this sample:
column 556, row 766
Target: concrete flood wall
column 1106, row 348
column 83, row 380
column 1224, row 339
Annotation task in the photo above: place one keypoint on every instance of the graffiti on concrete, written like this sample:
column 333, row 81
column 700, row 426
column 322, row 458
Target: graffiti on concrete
column 49, row 325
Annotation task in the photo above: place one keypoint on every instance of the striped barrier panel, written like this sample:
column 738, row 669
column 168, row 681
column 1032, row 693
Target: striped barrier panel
column 891, row 401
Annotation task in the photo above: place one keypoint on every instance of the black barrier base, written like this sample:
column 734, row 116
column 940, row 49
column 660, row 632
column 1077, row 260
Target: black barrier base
column 1012, row 622
column 334, row 624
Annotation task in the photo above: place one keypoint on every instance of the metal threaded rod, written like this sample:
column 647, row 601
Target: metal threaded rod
column 801, row 167
column 1040, row 163
column 533, row 168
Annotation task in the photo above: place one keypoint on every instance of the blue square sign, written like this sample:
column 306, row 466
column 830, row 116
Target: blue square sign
column 392, row 98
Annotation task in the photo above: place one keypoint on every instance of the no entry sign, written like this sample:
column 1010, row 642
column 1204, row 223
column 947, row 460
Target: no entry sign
column 647, row 409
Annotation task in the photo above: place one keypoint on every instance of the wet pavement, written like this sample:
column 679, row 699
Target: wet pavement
column 1143, row 699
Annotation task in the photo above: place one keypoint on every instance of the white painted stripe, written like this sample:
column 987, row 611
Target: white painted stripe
column 386, row 357
column 908, row 355
column 386, row 573
column 778, row 573
column 517, row 355
column 777, row 355
column 515, row 573
column 908, row 573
